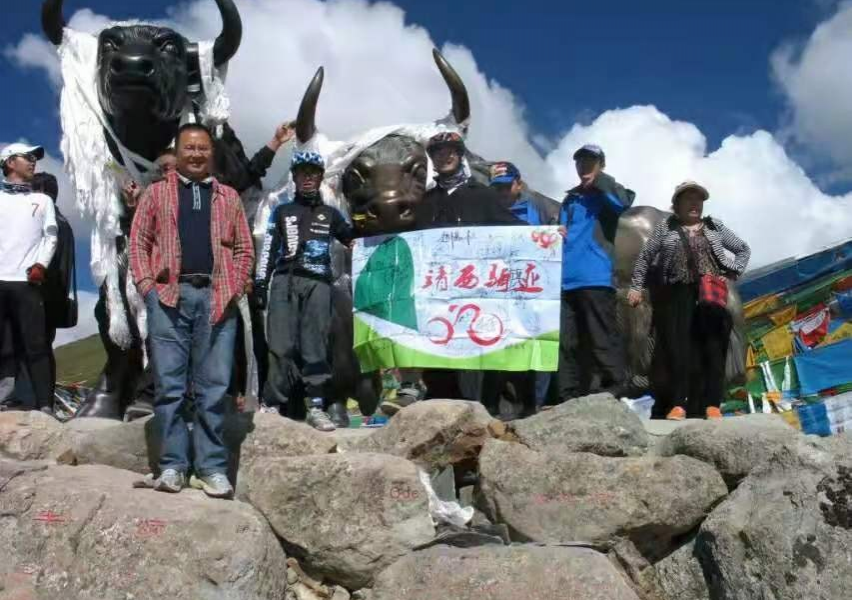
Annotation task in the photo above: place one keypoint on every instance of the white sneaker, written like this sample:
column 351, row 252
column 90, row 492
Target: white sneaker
column 319, row 420
column 215, row 485
column 170, row 480
column 269, row 409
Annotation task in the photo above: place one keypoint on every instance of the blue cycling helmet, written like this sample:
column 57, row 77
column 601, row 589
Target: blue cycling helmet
column 307, row 159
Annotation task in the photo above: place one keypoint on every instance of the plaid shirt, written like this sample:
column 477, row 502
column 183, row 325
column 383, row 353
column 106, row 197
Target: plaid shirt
column 155, row 251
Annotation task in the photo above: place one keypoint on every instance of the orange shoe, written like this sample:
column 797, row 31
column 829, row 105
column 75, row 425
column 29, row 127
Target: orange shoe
column 713, row 412
column 676, row 414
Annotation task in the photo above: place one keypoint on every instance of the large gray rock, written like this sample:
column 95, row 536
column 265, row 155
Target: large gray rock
column 786, row 532
column 9, row 469
column 84, row 533
column 434, row 434
column 554, row 498
column 348, row 439
column 130, row 446
column 502, row 573
column 345, row 516
column 678, row 576
column 253, row 437
column 734, row 446
column 32, row 435
column 599, row 424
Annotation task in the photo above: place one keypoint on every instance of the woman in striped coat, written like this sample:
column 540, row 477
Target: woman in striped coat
column 688, row 370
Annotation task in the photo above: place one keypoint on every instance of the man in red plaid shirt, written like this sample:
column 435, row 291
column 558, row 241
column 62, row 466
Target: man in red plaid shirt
column 191, row 254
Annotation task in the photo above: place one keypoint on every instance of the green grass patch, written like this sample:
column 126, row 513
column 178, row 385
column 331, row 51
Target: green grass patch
column 80, row 361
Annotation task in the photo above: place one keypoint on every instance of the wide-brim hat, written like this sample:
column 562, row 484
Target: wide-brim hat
column 690, row 185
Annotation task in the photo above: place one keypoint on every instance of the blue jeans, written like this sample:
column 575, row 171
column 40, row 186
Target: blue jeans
column 190, row 354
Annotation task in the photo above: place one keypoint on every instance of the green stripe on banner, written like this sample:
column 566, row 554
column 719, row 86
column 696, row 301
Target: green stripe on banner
column 376, row 352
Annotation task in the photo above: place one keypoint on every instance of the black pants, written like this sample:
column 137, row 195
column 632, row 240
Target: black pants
column 589, row 342
column 691, row 346
column 298, row 328
column 22, row 307
column 239, row 382
column 525, row 385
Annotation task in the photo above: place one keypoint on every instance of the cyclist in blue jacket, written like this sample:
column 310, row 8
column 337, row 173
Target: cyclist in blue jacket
column 589, row 339
column 527, row 208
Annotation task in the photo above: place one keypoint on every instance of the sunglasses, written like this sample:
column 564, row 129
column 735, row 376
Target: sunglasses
column 29, row 157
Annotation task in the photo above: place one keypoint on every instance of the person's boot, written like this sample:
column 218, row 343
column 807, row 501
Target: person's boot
column 338, row 414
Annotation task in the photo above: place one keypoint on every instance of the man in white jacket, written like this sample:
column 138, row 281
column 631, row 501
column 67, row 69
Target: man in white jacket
column 27, row 243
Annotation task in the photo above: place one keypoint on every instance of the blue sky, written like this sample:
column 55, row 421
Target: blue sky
column 578, row 71
column 703, row 61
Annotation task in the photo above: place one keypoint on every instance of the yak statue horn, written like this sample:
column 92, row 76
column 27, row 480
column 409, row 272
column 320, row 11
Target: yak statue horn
column 306, row 121
column 461, row 102
column 228, row 42
column 52, row 21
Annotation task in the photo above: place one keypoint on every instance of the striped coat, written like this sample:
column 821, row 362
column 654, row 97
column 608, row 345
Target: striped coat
column 155, row 251
column 659, row 250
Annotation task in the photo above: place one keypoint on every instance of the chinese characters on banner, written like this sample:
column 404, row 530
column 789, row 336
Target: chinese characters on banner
column 459, row 298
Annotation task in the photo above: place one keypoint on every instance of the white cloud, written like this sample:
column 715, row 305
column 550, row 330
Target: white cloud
column 86, row 325
column 379, row 71
column 33, row 52
column 755, row 187
column 816, row 77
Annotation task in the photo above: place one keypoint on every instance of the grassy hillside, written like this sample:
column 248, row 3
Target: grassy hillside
column 80, row 361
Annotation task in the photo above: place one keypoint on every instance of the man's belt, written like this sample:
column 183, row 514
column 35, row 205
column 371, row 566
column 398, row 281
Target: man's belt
column 196, row 280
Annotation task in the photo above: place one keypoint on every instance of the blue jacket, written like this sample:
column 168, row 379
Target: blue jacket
column 535, row 211
column 591, row 217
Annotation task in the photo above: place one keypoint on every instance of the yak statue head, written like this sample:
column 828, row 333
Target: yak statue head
column 386, row 181
column 146, row 72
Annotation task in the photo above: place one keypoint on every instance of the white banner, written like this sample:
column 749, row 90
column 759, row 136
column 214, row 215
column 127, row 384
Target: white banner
column 465, row 298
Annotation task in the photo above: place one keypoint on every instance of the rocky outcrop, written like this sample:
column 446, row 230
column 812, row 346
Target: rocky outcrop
column 85, row 533
column 598, row 424
column 32, row 435
column 433, row 434
column 554, row 498
column 733, row 446
column 502, row 573
column 345, row 516
column 786, row 532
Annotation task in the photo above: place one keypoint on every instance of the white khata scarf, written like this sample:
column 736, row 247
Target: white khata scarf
column 97, row 178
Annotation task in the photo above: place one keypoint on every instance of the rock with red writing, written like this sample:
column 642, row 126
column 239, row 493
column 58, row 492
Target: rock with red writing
column 580, row 497
column 434, row 434
column 344, row 516
column 502, row 573
column 599, row 424
column 733, row 446
column 32, row 435
column 80, row 533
